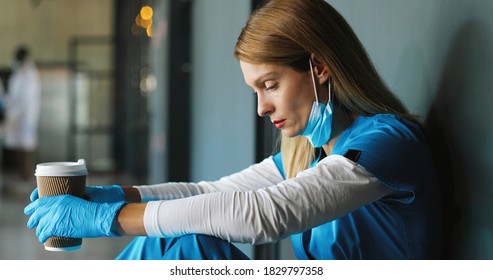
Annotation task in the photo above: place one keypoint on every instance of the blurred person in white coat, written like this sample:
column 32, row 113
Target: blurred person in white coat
column 2, row 95
column 22, row 106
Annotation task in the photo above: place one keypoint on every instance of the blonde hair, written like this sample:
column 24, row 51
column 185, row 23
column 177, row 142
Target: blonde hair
column 286, row 32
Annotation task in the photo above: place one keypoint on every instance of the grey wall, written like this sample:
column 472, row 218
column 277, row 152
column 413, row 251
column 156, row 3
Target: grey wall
column 223, row 107
column 437, row 57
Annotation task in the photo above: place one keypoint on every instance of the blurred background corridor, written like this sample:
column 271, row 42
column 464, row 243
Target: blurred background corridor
column 148, row 91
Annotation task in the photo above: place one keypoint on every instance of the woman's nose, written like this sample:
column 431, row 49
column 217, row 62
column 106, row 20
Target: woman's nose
column 264, row 107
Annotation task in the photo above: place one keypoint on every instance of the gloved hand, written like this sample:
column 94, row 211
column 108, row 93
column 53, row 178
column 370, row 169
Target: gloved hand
column 108, row 194
column 70, row 216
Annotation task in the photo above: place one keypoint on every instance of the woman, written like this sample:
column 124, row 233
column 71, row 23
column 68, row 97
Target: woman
column 371, row 197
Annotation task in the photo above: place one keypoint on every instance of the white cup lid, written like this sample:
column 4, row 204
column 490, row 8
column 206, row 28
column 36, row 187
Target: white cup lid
column 62, row 168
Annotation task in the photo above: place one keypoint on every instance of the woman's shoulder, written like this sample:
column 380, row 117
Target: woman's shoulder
column 383, row 134
column 386, row 121
column 384, row 128
column 392, row 148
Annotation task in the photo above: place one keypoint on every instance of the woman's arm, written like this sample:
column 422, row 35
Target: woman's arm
column 335, row 187
column 132, row 194
column 257, row 176
column 130, row 220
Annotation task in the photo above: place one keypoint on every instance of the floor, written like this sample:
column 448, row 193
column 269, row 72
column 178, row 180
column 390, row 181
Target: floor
column 17, row 242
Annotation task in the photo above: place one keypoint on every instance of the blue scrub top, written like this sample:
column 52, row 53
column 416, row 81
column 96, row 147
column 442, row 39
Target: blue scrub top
column 403, row 225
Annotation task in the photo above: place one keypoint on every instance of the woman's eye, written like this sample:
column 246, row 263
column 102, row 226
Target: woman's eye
column 270, row 86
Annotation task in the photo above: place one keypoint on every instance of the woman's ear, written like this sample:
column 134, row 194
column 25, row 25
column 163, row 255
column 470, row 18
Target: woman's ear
column 321, row 71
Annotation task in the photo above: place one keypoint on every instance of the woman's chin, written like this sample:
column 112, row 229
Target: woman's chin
column 289, row 133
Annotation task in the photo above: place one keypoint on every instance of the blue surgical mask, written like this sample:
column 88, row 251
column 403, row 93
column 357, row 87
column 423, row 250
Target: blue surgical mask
column 319, row 126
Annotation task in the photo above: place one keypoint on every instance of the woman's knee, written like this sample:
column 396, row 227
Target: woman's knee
column 203, row 247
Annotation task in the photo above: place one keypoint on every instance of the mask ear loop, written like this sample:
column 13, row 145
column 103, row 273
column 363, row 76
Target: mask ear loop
column 330, row 88
column 313, row 80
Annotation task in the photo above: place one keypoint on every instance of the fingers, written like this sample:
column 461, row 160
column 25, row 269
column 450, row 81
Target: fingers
column 42, row 236
column 31, row 207
column 34, row 195
column 32, row 222
column 30, row 210
column 37, row 211
column 43, row 215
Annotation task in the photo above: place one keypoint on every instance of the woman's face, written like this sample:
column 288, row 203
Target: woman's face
column 284, row 95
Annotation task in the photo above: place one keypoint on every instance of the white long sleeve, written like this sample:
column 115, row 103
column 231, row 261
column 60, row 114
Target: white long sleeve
column 333, row 188
column 257, row 176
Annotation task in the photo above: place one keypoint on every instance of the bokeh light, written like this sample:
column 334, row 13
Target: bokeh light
column 144, row 20
column 146, row 12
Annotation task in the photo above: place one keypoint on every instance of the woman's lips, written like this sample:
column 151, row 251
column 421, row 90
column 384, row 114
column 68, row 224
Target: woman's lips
column 279, row 123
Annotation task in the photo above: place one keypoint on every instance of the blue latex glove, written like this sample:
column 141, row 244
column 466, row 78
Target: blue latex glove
column 108, row 194
column 70, row 216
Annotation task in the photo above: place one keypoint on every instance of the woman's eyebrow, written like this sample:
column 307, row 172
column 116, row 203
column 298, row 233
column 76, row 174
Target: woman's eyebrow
column 266, row 76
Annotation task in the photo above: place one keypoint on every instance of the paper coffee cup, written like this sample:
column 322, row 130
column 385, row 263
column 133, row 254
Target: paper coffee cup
column 56, row 178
